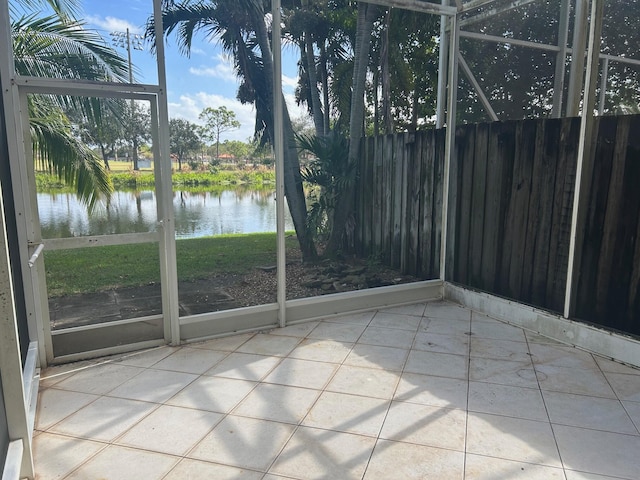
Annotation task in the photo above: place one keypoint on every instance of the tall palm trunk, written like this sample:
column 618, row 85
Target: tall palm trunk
column 344, row 208
column 312, row 75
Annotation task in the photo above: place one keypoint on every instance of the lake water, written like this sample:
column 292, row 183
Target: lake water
column 196, row 214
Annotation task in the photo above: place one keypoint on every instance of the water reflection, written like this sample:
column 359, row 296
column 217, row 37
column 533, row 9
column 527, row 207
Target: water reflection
column 197, row 214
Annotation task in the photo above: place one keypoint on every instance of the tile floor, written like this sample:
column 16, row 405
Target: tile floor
column 430, row 391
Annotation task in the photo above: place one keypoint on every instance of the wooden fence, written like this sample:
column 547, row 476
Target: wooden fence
column 511, row 196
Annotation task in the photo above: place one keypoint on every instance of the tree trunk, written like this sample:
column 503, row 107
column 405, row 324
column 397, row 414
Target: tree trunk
column 386, row 75
column 292, row 180
column 325, row 88
column 344, row 207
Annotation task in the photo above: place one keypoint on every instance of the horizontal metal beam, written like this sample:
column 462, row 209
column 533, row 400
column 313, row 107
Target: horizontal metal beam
column 473, row 4
column 417, row 6
column 100, row 240
column 491, row 12
column 60, row 86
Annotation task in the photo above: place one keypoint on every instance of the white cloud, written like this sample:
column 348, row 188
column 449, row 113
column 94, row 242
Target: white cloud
column 112, row 24
column 223, row 69
column 289, row 82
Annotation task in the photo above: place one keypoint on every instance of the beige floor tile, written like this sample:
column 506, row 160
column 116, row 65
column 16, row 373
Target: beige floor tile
column 363, row 318
column 55, row 405
column 416, row 309
column 573, row 380
column 510, row 438
column 425, row 425
column 243, row 442
column 99, row 379
column 478, row 467
column 438, row 364
column 225, row 344
column 373, row 356
column 588, row 412
column 146, row 358
column 533, row 337
column 430, row 390
column 633, row 410
column 489, row 328
column 387, row 337
column 447, row 310
column 189, row 469
column 190, row 360
column 104, row 419
column 153, row 386
column 54, row 456
column 299, row 330
column 348, row 413
column 171, row 430
column 499, row 349
column 435, row 342
column 393, row 320
column 598, row 452
column 265, row 344
column 244, row 366
column 302, row 373
column 55, row 374
column 213, row 394
column 444, row 326
column 507, row 400
column 279, row 403
column 370, row 382
column 391, row 460
column 505, row 372
column 561, row 356
column 321, row 454
column 573, row 475
column 339, row 332
column 322, row 350
column 118, row 463
column 627, row 387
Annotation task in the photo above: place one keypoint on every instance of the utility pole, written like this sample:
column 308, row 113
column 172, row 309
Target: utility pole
column 136, row 42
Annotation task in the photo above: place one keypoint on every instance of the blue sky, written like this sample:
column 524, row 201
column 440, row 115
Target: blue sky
column 206, row 79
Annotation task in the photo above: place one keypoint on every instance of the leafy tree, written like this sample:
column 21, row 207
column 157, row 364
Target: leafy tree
column 238, row 149
column 138, row 123
column 183, row 138
column 216, row 122
column 58, row 46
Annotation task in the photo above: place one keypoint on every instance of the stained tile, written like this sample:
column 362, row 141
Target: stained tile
column 430, row 390
column 598, row 452
column 171, row 430
column 425, row 425
column 608, row 365
column 226, row 344
column 494, row 329
column 573, row 380
column 145, row 358
column 510, row 438
column 626, row 387
column 416, row 309
column 588, row 412
column 280, row 403
column 348, row 413
column 369, row 382
column 445, row 326
column 435, row 342
column 633, row 410
column 561, row 356
column 244, row 366
column 413, row 462
column 447, row 310
column 337, row 331
column 298, row 330
column 321, row 454
column 478, row 467
column 190, row 360
column 363, row 318
column 507, row 400
column 243, row 442
column 393, row 320
column 499, row 349
column 505, row 372
column 117, row 463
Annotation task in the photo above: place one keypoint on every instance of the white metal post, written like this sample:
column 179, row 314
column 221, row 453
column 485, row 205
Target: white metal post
column 171, row 309
column 443, row 50
column 603, row 85
column 585, row 156
column 451, row 137
column 576, row 72
column 278, row 146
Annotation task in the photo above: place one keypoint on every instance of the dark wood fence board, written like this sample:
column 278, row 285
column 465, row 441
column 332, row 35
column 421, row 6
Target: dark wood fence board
column 405, row 192
column 437, row 194
column 428, row 149
column 465, row 138
column 386, row 194
column 412, row 262
column 477, row 205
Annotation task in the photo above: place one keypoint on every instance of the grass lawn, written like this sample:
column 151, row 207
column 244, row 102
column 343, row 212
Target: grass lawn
column 94, row 269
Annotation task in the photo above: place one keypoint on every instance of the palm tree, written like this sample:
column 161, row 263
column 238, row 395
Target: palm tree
column 57, row 46
column 240, row 26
